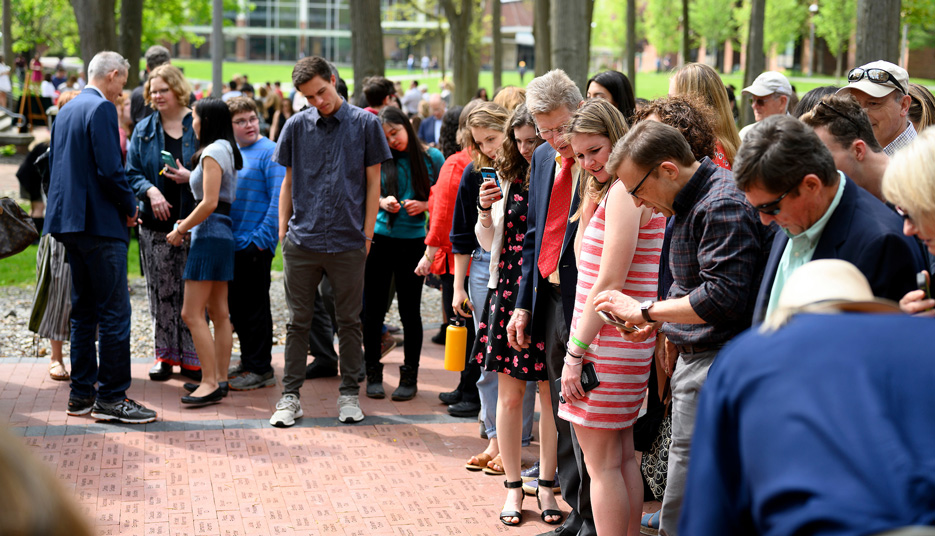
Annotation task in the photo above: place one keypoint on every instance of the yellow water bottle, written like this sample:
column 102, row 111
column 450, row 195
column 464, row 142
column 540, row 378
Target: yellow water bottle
column 455, row 342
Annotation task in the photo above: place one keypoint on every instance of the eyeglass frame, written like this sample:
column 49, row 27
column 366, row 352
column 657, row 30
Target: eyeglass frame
column 550, row 132
column 244, row 122
column 866, row 73
column 767, row 208
column 903, row 214
column 771, row 96
column 640, row 184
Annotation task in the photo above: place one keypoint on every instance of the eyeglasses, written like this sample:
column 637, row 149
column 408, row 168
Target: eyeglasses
column 877, row 76
column 244, row 122
column 772, row 208
column 761, row 101
column 549, row 132
column 903, row 214
column 165, row 91
column 841, row 114
column 639, row 184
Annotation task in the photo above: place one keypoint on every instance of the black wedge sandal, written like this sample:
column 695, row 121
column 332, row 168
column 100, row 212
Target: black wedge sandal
column 505, row 515
column 549, row 484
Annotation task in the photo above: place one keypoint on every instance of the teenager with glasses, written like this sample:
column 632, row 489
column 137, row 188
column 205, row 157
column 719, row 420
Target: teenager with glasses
column 881, row 89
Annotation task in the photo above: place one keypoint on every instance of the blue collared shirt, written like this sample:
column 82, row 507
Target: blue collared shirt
column 329, row 157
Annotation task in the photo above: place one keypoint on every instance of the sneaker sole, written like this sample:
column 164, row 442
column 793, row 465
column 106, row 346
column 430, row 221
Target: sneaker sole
column 78, row 413
column 110, row 418
column 350, row 419
column 287, row 424
column 266, row 383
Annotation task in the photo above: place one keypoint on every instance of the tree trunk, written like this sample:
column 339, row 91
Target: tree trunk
column 571, row 25
column 8, row 34
column 217, row 48
column 686, row 44
column 838, row 66
column 366, row 42
column 96, row 26
column 442, row 36
column 497, row 57
column 131, row 36
column 877, row 31
column 756, row 58
column 465, row 64
column 631, row 43
column 542, row 30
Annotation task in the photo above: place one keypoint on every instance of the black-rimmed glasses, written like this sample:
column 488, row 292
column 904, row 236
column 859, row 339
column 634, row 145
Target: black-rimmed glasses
column 639, row 184
column 903, row 214
column 877, row 76
column 772, row 208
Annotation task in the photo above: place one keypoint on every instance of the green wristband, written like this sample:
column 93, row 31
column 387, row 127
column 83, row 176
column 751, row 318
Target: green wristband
column 579, row 344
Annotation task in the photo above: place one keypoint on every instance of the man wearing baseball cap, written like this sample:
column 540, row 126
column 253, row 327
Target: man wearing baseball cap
column 769, row 95
column 881, row 89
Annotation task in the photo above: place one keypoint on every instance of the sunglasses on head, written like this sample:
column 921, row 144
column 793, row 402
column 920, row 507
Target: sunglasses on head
column 772, row 208
column 877, row 76
column 840, row 114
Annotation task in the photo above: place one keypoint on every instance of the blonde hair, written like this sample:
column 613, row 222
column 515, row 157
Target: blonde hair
column 510, row 97
column 908, row 182
column 65, row 97
column 173, row 78
column 485, row 115
column 701, row 81
column 600, row 117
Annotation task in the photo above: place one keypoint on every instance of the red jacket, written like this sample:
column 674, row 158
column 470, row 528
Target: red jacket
column 441, row 211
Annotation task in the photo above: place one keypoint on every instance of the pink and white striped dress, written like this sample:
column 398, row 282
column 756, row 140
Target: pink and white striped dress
column 622, row 367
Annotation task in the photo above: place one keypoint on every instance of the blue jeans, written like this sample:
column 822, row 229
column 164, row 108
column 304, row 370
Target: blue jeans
column 487, row 385
column 100, row 308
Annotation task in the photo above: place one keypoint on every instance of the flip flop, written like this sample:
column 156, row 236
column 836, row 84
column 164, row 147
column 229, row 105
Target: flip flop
column 57, row 372
column 482, row 459
column 495, row 472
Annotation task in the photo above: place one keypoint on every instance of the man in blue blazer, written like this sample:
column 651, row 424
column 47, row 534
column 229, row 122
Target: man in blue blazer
column 789, row 176
column 546, row 298
column 430, row 128
column 90, row 207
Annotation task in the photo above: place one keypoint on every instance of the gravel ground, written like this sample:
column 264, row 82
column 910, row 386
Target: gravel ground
column 17, row 341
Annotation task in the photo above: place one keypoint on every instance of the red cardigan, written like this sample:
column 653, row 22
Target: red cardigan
column 441, row 210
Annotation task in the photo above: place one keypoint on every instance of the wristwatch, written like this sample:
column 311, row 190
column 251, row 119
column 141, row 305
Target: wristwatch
column 645, row 307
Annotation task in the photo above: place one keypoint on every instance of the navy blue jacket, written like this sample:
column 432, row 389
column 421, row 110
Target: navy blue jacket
column 427, row 129
column 541, row 177
column 88, row 190
column 864, row 232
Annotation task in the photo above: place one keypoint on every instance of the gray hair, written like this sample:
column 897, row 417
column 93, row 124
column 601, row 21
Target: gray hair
column 105, row 62
column 550, row 91
column 156, row 55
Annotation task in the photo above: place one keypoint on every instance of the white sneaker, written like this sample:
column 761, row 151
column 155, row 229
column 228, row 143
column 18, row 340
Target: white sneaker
column 288, row 410
column 349, row 409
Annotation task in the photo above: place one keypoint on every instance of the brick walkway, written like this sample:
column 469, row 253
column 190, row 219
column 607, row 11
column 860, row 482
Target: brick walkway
column 223, row 470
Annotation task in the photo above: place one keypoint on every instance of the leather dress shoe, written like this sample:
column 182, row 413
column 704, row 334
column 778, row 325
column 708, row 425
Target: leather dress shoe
column 211, row 398
column 160, row 371
column 464, row 409
column 451, row 397
column 223, row 386
column 317, row 370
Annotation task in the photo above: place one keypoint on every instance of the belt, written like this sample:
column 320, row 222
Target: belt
column 697, row 348
column 223, row 208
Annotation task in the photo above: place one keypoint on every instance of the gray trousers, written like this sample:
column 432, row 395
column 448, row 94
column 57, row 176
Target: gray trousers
column 302, row 271
column 690, row 375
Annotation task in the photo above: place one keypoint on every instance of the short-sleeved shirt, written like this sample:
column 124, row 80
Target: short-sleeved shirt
column 329, row 157
column 222, row 153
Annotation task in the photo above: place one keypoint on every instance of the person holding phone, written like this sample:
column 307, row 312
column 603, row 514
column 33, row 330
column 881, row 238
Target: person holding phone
column 619, row 250
column 161, row 142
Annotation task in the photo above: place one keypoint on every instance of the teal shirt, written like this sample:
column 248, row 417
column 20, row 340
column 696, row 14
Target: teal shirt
column 406, row 226
column 800, row 248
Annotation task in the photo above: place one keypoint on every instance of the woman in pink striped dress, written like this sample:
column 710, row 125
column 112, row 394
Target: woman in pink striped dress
column 619, row 249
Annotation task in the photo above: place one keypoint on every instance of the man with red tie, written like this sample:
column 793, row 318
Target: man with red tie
column 546, row 297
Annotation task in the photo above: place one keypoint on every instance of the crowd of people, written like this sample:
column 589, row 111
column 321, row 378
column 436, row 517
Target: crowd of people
column 607, row 253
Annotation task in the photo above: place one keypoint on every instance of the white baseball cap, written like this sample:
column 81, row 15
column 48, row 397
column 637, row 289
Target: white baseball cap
column 768, row 83
column 879, row 88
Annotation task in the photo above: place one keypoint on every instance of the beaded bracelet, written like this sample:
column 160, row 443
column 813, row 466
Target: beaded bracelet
column 578, row 343
column 573, row 364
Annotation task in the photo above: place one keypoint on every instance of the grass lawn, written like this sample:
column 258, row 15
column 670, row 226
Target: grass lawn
column 20, row 269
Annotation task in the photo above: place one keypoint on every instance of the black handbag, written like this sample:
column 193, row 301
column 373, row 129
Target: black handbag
column 17, row 230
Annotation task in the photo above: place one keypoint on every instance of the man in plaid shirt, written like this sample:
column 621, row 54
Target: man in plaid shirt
column 718, row 252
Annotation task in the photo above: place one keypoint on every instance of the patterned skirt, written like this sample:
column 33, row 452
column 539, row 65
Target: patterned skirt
column 52, row 301
column 211, row 257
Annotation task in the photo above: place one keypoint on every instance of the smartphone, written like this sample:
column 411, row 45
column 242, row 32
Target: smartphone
column 489, row 174
column 168, row 159
column 588, row 380
column 609, row 318
column 922, row 281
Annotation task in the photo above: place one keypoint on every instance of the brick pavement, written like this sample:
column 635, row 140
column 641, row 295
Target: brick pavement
column 222, row 470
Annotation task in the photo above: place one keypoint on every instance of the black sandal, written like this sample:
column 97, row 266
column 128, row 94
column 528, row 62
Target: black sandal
column 550, row 484
column 505, row 516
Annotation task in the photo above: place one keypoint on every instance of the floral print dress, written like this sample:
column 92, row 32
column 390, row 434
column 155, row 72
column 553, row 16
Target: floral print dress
column 493, row 349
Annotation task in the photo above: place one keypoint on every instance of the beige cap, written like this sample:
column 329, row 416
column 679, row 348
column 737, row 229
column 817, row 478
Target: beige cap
column 826, row 286
column 877, row 89
column 768, row 83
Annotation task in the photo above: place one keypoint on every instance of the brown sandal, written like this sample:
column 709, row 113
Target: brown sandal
column 495, row 462
column 57, row 371
column 482, row 459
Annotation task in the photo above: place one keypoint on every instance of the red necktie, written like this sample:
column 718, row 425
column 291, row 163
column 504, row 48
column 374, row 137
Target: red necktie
column 554, row 233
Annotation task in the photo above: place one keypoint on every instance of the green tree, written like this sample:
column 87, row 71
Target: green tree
column 44, row 23
column 708, row 21
column 791, row 13
column 662, row 25
column 834, row 23
column 919, row 15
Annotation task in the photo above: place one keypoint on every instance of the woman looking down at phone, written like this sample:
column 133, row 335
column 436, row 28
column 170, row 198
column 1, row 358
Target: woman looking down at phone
column 163, row 137
column 619, row 250
column 398, row 245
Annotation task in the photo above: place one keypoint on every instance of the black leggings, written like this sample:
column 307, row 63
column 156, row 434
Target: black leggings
column 389, row 258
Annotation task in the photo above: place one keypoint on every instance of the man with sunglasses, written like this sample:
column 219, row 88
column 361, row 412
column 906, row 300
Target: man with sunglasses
column 717, row 256
column 769, row 95
column 881, row 89
column 789, row 177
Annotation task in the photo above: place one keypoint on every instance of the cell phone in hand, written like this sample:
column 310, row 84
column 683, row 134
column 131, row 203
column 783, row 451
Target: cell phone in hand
column 588, row 380
column 922, row 281
column 168, row 159
column 489, row 174
column 609, row 318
